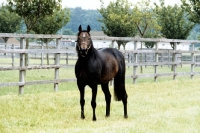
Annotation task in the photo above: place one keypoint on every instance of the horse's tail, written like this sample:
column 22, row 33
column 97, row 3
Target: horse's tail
column 119, row 82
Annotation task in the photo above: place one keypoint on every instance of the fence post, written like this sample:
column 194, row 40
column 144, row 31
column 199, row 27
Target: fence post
column 5, row 48
column 22, row 64
column 175, row 56
column 135, row 62
column 161, row 58
column 156, row 60
column 13, row 56
column 145, row 59
column 42, row 55
column 112, row 44
column 192, row 60
column 67, row 58
column 168, row 54
column 57, row 62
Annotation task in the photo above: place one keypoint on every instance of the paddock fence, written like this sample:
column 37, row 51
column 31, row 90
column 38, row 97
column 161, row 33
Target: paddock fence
column 134, row 58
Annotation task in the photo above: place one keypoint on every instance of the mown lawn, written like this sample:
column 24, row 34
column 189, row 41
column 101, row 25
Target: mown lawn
column 167, row 106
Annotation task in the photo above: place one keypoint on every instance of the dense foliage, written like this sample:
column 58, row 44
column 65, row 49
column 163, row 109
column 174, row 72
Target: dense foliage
column 79, row 16
column 117, row 20
column 32, row 11
column 173, row 21
column 8, row 24
column 192, row 7
column 51, row 24
column 145, row 20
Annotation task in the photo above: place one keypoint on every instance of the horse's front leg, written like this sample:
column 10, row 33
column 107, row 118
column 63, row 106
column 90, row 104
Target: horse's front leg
column 82, row 100
column 93, row 102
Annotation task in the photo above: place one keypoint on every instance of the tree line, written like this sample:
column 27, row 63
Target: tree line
column 120, row 19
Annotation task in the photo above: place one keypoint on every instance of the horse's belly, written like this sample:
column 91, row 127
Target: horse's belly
column 107, row 76
column 109, row 71
column 105, row 80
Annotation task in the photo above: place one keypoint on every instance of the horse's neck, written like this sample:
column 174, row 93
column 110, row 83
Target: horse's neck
column 92, row 54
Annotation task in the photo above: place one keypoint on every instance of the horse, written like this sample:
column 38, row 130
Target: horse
column 94, row 67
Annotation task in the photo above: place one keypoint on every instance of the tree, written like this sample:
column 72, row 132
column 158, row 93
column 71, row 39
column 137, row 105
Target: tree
column 9, row 22
column 51, row 24
column 32, row 11
column 173, row 21
column 145, row 20
column 192, row 8
column 117, row 20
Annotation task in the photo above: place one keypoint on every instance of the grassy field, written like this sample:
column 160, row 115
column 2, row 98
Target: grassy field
column 167, row 106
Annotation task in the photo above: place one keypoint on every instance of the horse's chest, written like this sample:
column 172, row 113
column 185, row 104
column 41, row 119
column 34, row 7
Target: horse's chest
column 89, row 75
column 83, row 74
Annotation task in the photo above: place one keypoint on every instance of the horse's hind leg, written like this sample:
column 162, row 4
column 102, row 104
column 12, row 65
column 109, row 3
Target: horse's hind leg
column 120, row 92
column 124, row 101
column 107, row 98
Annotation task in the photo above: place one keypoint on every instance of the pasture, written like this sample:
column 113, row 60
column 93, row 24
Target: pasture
column 166, row 106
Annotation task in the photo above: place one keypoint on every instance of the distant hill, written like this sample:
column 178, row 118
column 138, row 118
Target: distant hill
column 83, row 17
column 97, row 33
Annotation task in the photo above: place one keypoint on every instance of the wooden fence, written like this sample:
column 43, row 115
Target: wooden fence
column 132, row 60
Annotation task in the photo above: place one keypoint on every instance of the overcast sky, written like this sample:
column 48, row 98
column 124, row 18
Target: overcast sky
column 94, row 4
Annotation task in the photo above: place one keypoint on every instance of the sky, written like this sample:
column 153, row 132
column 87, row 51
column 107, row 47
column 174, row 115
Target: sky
column 95, row 4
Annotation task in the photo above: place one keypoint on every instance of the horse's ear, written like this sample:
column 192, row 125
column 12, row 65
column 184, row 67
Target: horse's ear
column 80, row 28
column 88, row 28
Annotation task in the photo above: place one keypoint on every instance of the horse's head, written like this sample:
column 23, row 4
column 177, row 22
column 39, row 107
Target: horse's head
column 84, row 41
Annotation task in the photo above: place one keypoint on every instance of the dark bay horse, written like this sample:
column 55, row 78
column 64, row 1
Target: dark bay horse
column 95, row 67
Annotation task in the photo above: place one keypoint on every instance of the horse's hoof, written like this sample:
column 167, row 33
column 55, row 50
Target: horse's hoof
column 94, row 119
column 82, row 117
column 126, row 116
column 107, row 116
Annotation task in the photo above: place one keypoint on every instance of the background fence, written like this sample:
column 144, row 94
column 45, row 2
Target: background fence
column 13, row 59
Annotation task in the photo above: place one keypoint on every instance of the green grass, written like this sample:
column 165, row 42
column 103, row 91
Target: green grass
column 168, row 106
column 165, row 106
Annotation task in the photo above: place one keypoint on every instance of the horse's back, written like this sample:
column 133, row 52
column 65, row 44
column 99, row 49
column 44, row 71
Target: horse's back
column 111, row 51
